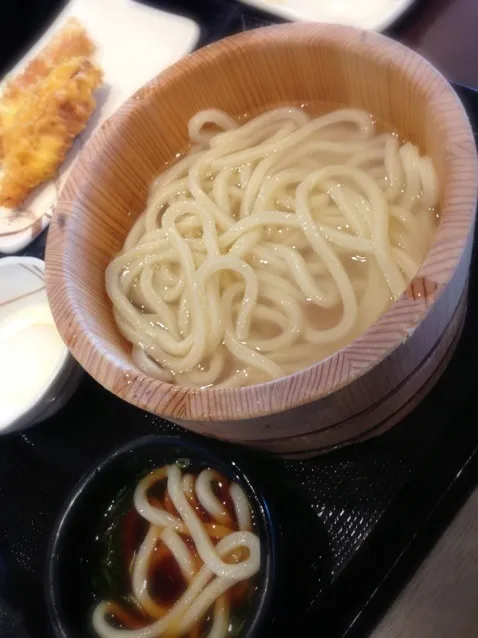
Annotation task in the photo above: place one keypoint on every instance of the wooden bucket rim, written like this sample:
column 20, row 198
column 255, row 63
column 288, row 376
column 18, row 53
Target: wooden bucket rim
column 339, row 369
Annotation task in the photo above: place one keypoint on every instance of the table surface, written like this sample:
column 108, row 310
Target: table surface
column 446, row 33
column 440, row 599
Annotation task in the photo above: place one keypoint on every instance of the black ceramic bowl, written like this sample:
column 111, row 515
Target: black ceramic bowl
column 10, row 625
column 76, row 551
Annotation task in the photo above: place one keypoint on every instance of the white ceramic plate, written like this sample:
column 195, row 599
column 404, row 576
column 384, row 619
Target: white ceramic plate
column 134, row 43
column 366, row 14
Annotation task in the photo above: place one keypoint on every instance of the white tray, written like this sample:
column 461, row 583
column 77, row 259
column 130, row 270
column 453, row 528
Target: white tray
column 366, row 14
column 134, row 43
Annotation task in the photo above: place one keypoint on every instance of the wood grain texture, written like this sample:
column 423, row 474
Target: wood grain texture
column 385, row 367
column 376, row 418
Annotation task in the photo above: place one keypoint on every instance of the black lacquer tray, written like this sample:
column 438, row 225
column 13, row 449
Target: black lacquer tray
column 354, row 523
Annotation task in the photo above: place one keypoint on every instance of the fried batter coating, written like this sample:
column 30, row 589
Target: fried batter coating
column 42, row 131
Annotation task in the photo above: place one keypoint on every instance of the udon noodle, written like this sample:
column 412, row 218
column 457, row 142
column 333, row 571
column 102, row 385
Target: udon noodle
column 270, row 245
column 204, row 524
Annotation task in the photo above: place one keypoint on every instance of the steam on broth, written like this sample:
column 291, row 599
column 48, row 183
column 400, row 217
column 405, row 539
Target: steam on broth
column 190, row 556
column 272, row 244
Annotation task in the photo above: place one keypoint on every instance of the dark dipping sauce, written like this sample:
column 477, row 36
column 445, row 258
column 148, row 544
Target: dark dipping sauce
column 122, row 533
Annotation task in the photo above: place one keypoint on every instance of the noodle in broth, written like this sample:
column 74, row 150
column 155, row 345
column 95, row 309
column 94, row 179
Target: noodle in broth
column 204, row 525
column 270, row 245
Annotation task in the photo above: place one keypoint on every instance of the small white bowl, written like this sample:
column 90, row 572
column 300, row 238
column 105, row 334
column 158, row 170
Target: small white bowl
column 37, row 373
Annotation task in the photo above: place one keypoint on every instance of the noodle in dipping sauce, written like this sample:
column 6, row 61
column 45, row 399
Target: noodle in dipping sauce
column 272, row 244
column 191, row 555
